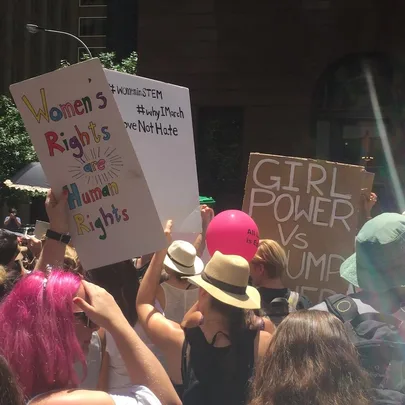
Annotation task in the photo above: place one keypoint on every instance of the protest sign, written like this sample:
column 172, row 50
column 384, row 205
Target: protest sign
column 83, row 146
column 158, row 119
column 368, row 180
column 310, row 207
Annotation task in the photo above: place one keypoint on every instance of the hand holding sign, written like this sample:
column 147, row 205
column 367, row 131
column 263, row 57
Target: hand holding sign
column 233, row 233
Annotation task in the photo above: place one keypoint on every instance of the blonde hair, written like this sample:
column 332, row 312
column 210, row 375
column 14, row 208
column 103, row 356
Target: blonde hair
column 71, row 261
column 272, row 256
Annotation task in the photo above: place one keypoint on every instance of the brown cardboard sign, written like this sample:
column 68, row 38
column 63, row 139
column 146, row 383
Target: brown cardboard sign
column 368, row 181
column 310, row 207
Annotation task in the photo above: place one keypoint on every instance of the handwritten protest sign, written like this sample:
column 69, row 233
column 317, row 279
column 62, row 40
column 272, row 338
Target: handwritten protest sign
column 83, row 146
column 158, row 120
column 310, row 207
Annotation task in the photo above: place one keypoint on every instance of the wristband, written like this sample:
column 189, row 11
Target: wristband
column 60, row 237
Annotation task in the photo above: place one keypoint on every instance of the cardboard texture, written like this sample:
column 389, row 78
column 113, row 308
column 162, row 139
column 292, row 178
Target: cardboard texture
column 84, row 148
column 310, row 207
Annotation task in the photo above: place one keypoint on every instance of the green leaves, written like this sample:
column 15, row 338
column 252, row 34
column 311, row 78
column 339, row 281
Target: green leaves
column 108, row 60
column 16, row 149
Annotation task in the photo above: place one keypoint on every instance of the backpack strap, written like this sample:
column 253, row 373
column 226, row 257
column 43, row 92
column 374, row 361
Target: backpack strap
column 345, row 308
column 342, row 306
column 293, row 299
column 378, row 317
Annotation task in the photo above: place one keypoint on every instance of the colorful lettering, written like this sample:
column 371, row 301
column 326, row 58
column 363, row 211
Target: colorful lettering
column 99, row 96
column 41, row 112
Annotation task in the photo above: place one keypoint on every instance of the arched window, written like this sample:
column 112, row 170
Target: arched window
column 343, row 121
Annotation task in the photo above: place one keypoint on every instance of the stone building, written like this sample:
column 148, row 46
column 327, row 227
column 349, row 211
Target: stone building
column 281, row 76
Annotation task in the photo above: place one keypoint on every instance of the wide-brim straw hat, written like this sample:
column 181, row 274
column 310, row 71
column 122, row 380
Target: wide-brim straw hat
column 182, row 258
column 226, row 278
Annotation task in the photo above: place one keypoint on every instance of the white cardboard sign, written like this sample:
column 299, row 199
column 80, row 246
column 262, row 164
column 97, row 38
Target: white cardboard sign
column 40, row 229
column 83, row 146
column 158, row 120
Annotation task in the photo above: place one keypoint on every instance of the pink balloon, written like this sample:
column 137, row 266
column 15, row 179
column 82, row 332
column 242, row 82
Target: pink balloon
column 233, row 233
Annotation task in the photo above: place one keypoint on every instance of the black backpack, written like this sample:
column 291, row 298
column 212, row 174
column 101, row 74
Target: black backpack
column 380, row 346
column 280, row 307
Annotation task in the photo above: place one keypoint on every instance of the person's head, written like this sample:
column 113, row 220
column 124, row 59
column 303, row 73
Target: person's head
column 122, row 282
column 378, row 265
column 71, row 261
column 10, row 392
column 8, row 278
column 182, row 260
column 269, row 262
column 43, row 333
column 9, row 249
column 12, row 211
column 224, row 289
column 310, row 360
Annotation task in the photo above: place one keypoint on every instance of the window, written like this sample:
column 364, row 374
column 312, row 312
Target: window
column 219, row 147
column 95, row 51
column 92, row 3
column 92, row 26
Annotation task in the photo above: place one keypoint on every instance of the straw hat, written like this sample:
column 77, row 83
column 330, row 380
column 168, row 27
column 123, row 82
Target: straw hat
column 226, row 278
column 182, row 258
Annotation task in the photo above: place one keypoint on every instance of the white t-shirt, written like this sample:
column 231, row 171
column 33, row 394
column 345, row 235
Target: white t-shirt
column 93, row 361
column 118, row 380
column 137, row 395
column 178, row 301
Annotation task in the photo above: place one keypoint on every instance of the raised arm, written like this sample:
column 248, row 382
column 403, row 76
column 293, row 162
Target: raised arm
column 207, row 214
column 165, row 334
column 53, row 252
column 142, row 366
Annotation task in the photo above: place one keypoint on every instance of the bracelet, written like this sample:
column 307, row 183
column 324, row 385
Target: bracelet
column 59, row 237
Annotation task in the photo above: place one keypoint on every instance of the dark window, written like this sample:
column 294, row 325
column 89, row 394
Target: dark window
column 92, row 26
column 219, row 149
column 92, row 3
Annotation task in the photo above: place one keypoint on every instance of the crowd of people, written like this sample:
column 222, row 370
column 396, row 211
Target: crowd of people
column 167, row 328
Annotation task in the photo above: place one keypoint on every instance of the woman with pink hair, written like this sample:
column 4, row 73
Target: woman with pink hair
column 46, row 324
column 41, row 334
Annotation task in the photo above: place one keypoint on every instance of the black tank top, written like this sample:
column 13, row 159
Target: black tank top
column 217, row 375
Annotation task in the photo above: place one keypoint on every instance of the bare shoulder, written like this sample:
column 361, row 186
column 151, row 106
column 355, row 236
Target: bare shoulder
column 262, row 342
column 74, row 397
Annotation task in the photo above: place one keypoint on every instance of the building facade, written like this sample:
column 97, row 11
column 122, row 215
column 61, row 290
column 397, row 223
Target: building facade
column 281, row 76
column 284, row 77
column 101, row 24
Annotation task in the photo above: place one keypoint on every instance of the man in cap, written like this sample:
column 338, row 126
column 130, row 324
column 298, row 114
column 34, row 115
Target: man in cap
column 377, row 268
column 373, row 314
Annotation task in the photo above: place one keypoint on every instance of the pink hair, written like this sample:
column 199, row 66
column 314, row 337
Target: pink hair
column 37, row 332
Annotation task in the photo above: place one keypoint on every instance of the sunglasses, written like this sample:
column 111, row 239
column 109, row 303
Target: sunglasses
column 82, row 317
